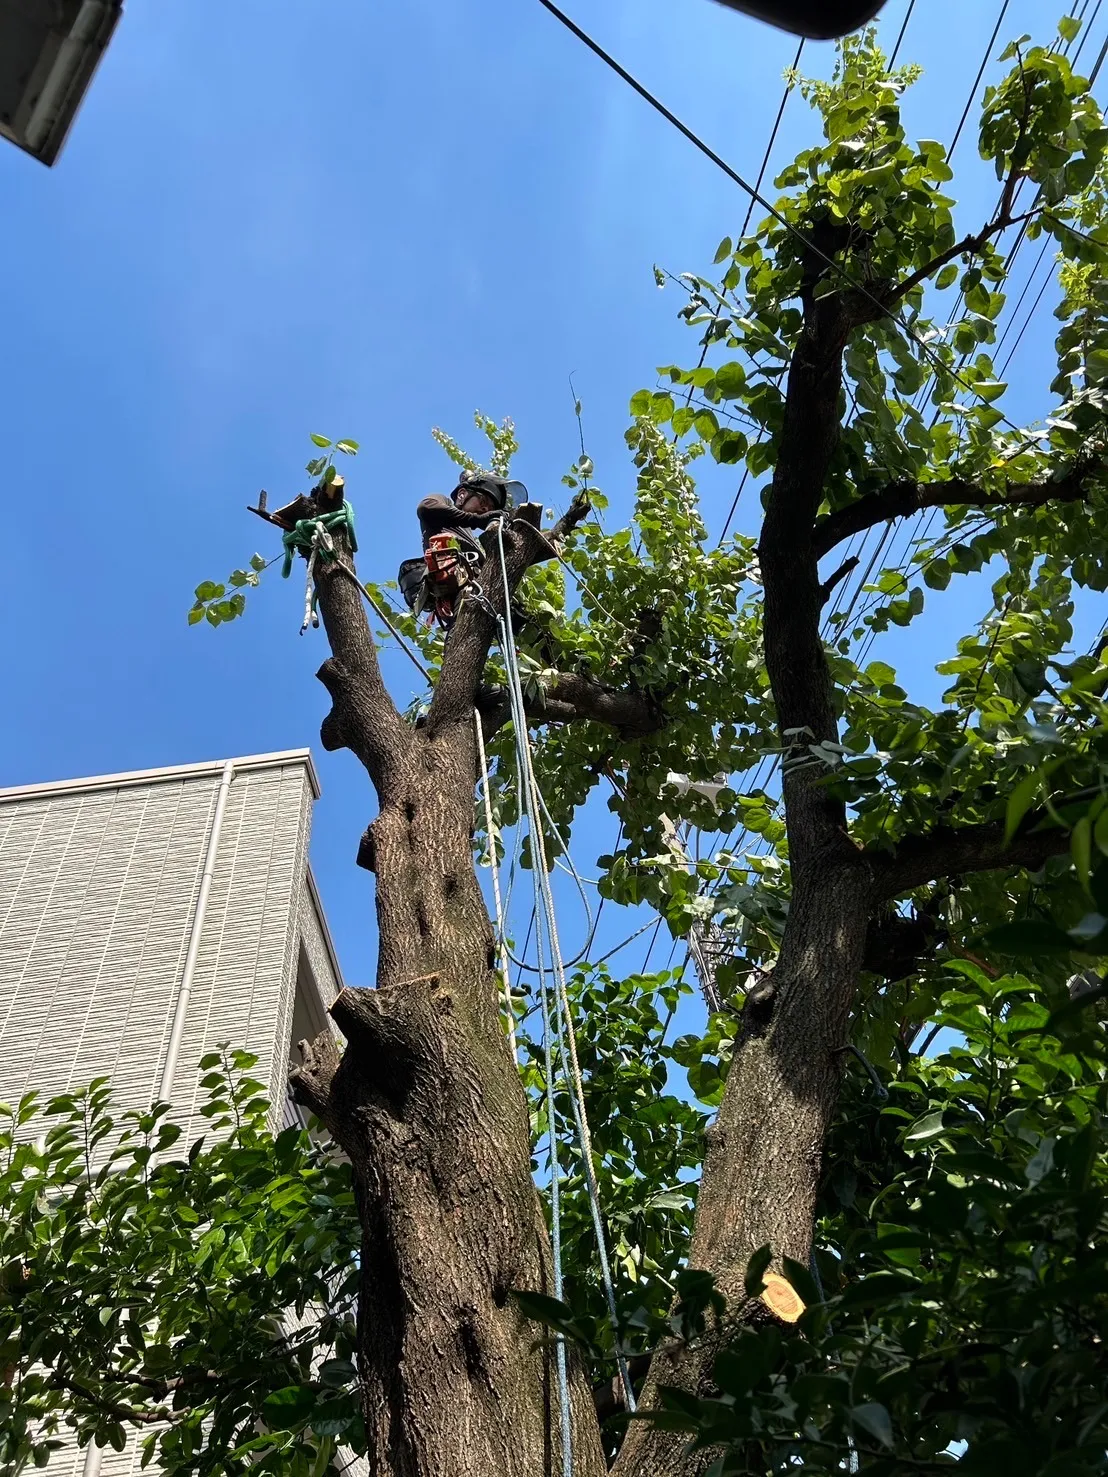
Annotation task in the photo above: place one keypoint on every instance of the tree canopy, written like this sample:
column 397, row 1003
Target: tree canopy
column 875, row 871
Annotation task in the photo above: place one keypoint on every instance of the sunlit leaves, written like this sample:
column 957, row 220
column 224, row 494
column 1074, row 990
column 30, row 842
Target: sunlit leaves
column 205, row 1282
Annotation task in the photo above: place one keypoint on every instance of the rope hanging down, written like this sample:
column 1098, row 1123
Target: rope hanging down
column 501, row 937
column 531, row 803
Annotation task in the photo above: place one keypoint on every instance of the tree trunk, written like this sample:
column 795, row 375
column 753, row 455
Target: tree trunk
column 428, row 1105
column 762, row 1165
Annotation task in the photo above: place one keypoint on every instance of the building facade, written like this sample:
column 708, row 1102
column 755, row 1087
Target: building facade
column 144, row 919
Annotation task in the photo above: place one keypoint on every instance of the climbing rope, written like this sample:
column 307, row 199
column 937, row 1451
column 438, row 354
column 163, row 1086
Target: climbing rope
column 531, row 804
column 490, row 833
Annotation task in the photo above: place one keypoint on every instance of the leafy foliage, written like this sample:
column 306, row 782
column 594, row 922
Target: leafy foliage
column 958, row 1311
column 183, row 1299
column 963, row 1293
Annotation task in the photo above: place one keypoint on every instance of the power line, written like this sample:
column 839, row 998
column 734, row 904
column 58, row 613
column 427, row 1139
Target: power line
column 900, row 36
column 977, row 80
column 737, row 178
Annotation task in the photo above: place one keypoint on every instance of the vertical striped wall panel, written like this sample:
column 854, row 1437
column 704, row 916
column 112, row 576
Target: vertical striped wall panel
column 97, row 892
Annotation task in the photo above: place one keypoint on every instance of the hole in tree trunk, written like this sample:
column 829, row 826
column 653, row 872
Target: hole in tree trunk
column 409, row 811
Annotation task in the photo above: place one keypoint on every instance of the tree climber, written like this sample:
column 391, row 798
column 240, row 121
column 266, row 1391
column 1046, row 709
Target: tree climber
column 451, row 555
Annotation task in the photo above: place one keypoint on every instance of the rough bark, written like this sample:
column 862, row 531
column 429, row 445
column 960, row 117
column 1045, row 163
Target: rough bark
column 762, row 1164
column 426, row 1101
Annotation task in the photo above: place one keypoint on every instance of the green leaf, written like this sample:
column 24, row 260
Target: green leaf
column 351, row 448
column 1081, row 849
column 320, row 440
column 1068, row 27
column 257, row 563
column 802, row 1281
column 1032, row 936
column 930, row 1126
column 1041, row 1162
column 946, row 276
column 730, row 380
column 289, row 1407
column 723, row 251
column 875, row 1420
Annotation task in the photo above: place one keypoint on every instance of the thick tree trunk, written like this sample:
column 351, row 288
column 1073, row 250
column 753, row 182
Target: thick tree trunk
column 762, row 1164
column 429, row 1107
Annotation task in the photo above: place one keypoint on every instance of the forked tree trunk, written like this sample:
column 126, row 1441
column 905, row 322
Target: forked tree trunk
column 428, row 1105
column 426, row 1101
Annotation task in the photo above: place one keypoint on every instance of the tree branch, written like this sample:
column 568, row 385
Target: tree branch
column 310, row 1082
column 902, row 499
column 573, row 698
column 967, row 246
column 364, row 718
column 159, row 1417
column 954, row 850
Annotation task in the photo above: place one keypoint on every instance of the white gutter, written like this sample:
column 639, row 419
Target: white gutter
column 184, row 989
column 72, row 55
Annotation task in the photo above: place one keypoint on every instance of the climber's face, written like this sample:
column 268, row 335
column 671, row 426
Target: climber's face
column 477, row 502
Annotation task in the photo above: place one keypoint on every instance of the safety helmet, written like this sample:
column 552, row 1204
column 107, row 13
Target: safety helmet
column 500, row 492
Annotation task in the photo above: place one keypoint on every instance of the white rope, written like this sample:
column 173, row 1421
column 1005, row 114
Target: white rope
column 565, row 1413
column 321, row 539
column 531, row 799
column 490, row 832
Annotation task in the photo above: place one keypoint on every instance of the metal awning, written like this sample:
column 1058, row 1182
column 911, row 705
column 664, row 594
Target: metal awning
column 821, row 20
column 49, row 50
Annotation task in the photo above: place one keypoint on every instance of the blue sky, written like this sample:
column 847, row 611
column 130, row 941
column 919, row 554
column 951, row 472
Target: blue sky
column 364, row 220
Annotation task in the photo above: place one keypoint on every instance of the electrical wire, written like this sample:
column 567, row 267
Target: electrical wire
column 840, row 271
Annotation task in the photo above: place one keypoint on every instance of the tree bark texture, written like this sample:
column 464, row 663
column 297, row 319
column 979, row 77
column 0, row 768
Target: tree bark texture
column 428, row 1105
column 426, row 1101
column 762, row 1165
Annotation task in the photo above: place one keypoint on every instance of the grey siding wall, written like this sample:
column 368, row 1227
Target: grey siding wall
column 97, row 891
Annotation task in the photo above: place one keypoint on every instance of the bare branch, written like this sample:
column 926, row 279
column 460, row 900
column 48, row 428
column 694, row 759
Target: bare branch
column 574, row 699
column 951, row 851
column 311, row 1081
column 577, row 512
column 364, row 718
column 159, row 1416
column 902, row 499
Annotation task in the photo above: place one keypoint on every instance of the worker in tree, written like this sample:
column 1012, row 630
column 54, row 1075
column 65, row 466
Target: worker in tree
column 452, row 556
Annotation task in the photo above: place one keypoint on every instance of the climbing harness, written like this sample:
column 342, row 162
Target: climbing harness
column 564, row 1035
column 312, row 536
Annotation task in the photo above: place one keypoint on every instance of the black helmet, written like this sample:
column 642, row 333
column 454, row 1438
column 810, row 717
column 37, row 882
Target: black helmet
column 498, row 490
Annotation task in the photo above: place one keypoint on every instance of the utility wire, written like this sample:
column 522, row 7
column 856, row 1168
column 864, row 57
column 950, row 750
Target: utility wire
column 900, row 35
column 782, row 220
